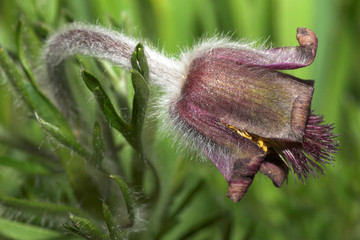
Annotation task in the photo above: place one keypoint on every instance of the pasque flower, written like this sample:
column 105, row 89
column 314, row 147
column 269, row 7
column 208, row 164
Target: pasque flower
column 224, row 99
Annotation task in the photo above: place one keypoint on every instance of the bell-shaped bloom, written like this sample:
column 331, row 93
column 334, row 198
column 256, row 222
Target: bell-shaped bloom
column 254, row 117
column 226, row 100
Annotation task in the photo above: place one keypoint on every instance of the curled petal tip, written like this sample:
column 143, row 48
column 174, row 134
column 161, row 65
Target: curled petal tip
column 307, row 39
column 276, row 171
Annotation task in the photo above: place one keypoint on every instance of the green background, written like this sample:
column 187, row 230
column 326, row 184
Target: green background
column 323, row 208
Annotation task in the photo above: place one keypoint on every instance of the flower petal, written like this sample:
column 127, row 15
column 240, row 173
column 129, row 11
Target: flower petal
column 275, row 58
column 237, row 158
column 257, row 100
column 274, row 168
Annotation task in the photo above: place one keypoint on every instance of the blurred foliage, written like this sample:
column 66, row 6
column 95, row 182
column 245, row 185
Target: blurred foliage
column 55, row 181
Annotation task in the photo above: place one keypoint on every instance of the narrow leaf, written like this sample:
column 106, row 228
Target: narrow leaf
column 22, row 231
column 118, row 87
column 41, row 156
column 141, row 98
column 141, row 58
column 21, row 52
column 186, row 202
column 156, row 191
column 110, row 223
column 139, row 62
column 106, row 106
column 58, row 135
column 87, row 229
column 98, row 144
column 39, row 207
column 24, row 166
column 197, row 228
column 42, row 30
column 139, row 78
column 15, row 78
column 32, row 97
column 134, row 62
column 128, row 197
column 172, row 220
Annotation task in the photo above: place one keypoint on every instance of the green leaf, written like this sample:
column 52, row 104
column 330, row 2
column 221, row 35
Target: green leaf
column 86, row 228
column 139, row 78
column 32, row 97
column 156, row 191
column 38, row 207
column 117, row 86
column 82, row 181
column 128, row 197
column 22, row 231
column 110, row 223
column 65, row 140
column 186, row 202
column 140, row 102
column 172, row 220
column 42, row 30
column 98, row 144
column 106, row 106
column 24, row 166
column 134, row 60
column 143, row 64
column 43, row 157
column 200, row 227
column 139, row 62
column 21, row 52
column 22, row 87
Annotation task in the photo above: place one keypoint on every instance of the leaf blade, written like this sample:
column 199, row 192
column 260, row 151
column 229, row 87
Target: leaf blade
column 110, row 223
column 128, row 197
column 86, row 228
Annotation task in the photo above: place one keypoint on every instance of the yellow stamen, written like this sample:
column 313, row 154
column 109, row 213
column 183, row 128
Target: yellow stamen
column 260, row 142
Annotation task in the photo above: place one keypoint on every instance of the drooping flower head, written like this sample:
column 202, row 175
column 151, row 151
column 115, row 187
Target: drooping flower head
column 228, row 100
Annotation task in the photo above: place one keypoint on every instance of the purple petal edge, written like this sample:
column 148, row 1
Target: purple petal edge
column 276, row 58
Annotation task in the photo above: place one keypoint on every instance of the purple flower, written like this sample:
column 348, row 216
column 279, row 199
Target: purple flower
column 254, row 117
column 223, row 98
